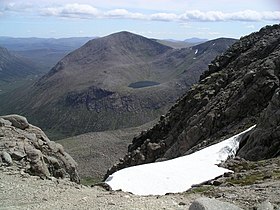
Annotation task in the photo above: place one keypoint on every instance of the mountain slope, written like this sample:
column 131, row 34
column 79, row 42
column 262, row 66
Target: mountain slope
column 121, row 80
column 12, row 67
column 230, row 97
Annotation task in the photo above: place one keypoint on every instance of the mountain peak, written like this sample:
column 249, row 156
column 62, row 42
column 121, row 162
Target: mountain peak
column 117, row 49
column 130, row 41
column 123, row 33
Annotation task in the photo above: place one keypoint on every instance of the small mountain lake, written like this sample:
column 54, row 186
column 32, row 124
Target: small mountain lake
column 142, row 84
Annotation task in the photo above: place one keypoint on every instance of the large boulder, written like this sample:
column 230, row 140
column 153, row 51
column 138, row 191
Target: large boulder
column 17, row 121
column 28, row 148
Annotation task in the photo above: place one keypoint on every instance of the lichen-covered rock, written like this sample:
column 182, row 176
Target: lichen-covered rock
column 27, row 147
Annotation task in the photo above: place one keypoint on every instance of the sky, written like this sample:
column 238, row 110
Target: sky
column 162, row 19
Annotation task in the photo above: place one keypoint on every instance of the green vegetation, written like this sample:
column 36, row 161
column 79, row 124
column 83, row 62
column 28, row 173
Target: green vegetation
column 88, row 181
column 205, row 190
column 245, row 166
column 253, row 172
column 246, row 179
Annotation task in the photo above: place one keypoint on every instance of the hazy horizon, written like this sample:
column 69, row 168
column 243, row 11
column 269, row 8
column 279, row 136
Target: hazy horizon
column 167, row 39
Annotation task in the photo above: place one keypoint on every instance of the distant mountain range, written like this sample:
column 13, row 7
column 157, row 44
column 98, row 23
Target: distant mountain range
column 176, row 44
column 44, row 52
column 120, row 80
column 195, row 40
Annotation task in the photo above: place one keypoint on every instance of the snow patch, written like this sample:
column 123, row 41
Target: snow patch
column 196, row 51
column 213, row 44
column 176, row 175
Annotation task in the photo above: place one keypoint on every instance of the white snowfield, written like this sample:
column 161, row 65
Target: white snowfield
column 176, row 175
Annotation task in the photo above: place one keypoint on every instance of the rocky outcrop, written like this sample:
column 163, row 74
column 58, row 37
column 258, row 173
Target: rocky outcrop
column 28, row 149
column 263, row 142
column 229, row 97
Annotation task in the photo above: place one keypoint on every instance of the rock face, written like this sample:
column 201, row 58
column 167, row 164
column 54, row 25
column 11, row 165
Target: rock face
column 263, row 142
column 229, row 97
column 29, row 149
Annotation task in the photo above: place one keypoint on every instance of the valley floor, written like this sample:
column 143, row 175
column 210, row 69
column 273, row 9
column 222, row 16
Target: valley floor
column 252, row 184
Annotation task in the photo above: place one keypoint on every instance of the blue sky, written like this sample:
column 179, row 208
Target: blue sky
column 164, row 19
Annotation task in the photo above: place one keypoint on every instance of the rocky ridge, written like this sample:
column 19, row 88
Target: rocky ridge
column 27, row 149
column 229, row 98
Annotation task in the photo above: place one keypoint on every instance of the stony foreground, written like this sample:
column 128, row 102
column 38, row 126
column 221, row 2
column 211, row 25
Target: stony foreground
column 24, row 192
column 19, row 190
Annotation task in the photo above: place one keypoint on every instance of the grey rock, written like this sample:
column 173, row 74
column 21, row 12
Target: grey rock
column 6, row 157
column 263, row 142
column 31, row 150
column 4, row 122
column 18, row 155
column 38, row 166
column 212, row 204
column 266, row 205
column 17, row 121
column 217, row 182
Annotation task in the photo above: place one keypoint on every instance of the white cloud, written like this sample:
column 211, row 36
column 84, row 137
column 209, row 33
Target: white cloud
column 246, row 15
column 164, row 17
column 72, row 10
column 86, row 10
column 123, row 13
column 17, row 7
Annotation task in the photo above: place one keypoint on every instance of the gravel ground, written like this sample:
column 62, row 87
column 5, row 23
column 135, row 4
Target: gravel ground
column 28, row 192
